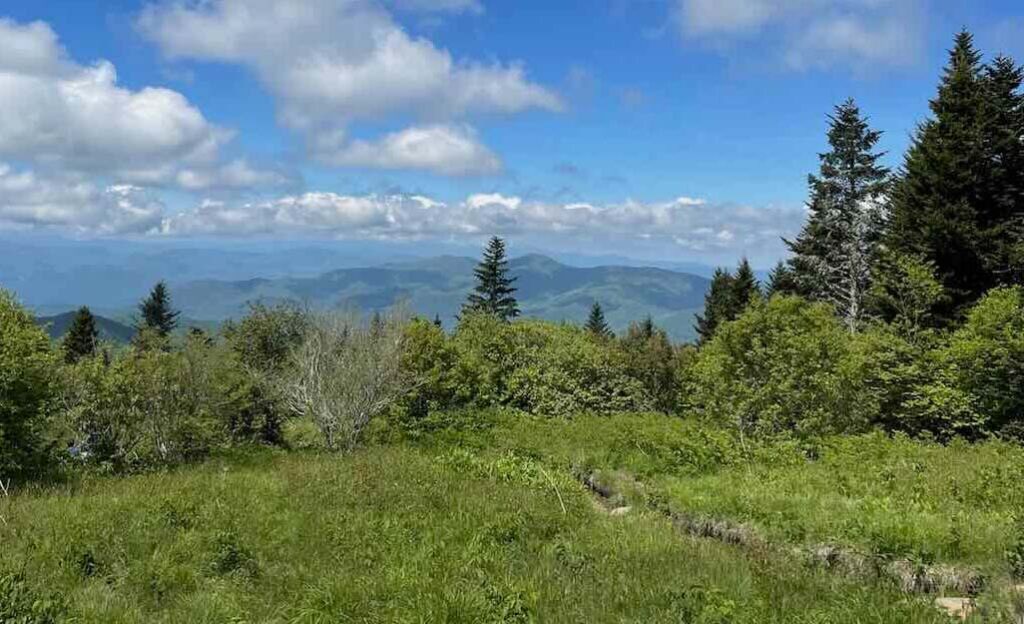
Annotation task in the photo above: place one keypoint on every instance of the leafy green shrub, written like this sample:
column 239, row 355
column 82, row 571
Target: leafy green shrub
column 784, row 365
column 986, row 358
column 541, row 368
column 651, row 359
column 150, row 407
column 20, row 605
column 263, row 342
column 27, row 384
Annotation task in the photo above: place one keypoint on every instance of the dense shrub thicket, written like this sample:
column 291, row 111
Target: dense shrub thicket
column 28, row 366
column 531, row 365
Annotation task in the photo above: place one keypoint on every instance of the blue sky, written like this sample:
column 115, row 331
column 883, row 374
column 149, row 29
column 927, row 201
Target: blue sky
column 681, row 128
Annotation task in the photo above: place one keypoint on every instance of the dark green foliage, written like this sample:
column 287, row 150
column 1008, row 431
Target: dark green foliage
column 80, row 341
column 781, row 281
column 263, row 342
column 650, row 359
column 156, row 313
column 28, row 368
column 1002, row 220
column 718, row 305
column 596, row 324
column 745, row 288
column 835, row 250
column 906, row 293
column 958, row 201
column 493, row 293
column 726, row 299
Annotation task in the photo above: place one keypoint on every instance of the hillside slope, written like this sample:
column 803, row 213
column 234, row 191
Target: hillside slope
column 109, row 329
column 438, row 286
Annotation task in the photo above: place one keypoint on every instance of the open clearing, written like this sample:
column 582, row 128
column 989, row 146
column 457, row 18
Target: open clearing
column 473, row 518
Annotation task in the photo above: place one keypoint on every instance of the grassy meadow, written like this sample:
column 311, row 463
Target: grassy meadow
column 478, row 517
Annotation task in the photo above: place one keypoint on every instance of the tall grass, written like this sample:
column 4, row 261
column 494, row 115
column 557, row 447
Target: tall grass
column 399, row 533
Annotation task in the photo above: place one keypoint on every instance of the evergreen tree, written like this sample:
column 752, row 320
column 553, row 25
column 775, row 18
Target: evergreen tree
column 939, row 203
column 745, row 288
column 494, row 291
column 1002, row 212
column 156, row 313
column 82, row 338
column 718, row 305
column 596, row 323
column 781, row 281
column 835, row 250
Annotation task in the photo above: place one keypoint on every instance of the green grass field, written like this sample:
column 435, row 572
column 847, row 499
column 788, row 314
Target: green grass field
column 478, row 518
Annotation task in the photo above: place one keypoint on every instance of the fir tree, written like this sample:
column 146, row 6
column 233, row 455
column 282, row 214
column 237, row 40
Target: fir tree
column 156, row 313
column 596, row 323
column 718, row 305
column 493, row 293
column 835, row 250
column 939, row 202
column 745, row 288
column 1001, row 220
column 82, row 338
column 781, row 281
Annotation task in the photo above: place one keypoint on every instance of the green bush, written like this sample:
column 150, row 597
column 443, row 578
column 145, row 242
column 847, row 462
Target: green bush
column 784, row 365
column 152, row 407
column 28, row 366
column 652, row 360
column 986, row 359
column 262, row 343
column 535, row 366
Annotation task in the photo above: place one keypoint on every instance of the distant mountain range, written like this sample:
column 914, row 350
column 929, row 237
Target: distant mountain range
column 109, row 329
column 438, row 286
column 213, row 283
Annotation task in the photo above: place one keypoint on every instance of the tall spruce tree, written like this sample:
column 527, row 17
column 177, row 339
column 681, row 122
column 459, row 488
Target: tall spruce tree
column 745, row 288
column 156, row 313
column 835, row 250
column 718, row 305
column 781, row 281
column 1002, row 213
column 596, row 323
column 939, row 204
column 494, row 292
column 82, row 337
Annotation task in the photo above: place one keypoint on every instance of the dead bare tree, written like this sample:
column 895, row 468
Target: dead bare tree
column 346, row 371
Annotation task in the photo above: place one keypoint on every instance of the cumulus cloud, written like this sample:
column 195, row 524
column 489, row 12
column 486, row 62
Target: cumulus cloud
column 354, row 63
column 443, row 149
column 685, row 223
column 806, row 34
column 69, row 117
column 237, row 174
column 69, row 203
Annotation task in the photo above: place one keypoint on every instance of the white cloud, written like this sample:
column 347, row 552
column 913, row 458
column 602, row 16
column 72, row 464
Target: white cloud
column 332, row 62
column 804, row 34
column 443, row 149
column 69, row 203
column 59, row 113
column 237, row 174
column 70, row 118
column 687, row 224
column 438, row 6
